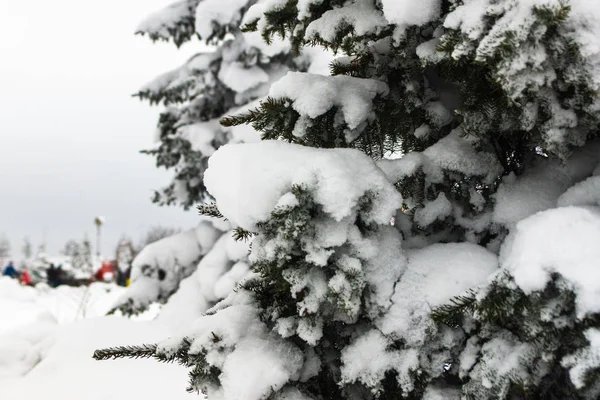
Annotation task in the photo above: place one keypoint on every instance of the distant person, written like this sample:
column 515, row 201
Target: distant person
column 25, row 278
column 106, row 273
column 123, row 276
column 52, row 275
column 10, row 270
column 60, row 275
column 128, row 276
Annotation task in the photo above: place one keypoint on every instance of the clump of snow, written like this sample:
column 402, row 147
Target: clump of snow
column 360, row 14
column 422, row 131
column 437, row 209
column 240, row 78
column 215, row 277
column 469, row 356
column 529, row 66
column 540, row 187
column 437, row 114
column 367, row 359
column 161, row 22
column 585, row 360
column 201, row 135
column 247, row 168
column 159, row 268
column 407, row 165
column 313, row 95
column 585, row 16
column 452, row 153
column 291, row 393
column 190, row 75
column 441, row 393
column 434, row 275
column 561, row 240
column 223, row 12
column 410, row 12
column 501, row 361
column 253, row 360
column 427, row 52
column 583, row 193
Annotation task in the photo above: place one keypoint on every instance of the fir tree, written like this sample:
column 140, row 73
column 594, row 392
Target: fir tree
column 493, row 107
column 79, row 253
column 4, row 246
column 226, row 78
column 27, row 249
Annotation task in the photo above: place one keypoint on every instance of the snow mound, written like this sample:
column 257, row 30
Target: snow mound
column 247, row 188
column 561, row 240
column 64, row 368
column 23, row 347
column 434, row 275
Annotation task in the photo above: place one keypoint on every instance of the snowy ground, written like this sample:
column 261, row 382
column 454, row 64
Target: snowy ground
column 47, row 338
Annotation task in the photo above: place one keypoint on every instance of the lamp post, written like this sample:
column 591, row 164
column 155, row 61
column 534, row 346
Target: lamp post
column 98, row 221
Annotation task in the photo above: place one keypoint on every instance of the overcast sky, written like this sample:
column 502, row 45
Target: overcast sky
column 69, row 130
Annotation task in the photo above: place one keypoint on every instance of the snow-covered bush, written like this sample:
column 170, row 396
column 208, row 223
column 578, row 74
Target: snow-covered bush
column 159, row 267
column 466, row 265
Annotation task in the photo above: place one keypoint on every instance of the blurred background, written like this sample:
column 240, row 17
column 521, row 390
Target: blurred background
column 70, row 132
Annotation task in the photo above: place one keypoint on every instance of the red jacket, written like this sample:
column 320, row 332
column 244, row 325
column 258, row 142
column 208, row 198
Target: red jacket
column 25, row 278
column 106, row 268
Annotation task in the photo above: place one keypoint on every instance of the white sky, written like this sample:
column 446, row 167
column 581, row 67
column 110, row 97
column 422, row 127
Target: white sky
column 69, row 130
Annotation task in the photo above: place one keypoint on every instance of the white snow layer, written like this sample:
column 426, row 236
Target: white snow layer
column 161, row 21
column 583, row 193
column 540, row 187
column 411, row 12
column 159, row 267
column 585, row 360
column 437, row 209
column 360, row 14
column 62, row 368
column 215, row 277
column 471, row 18
column 247, row 188
column 313, row 95
column 46, row 347
column 254, row 361
column 222, row 12
column 434, row 275
column 452, row 153
column 561, row 240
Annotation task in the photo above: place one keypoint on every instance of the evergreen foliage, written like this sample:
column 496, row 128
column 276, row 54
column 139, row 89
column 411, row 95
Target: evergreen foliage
column 228, row 77
column 483, row 100
column 79, row 253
